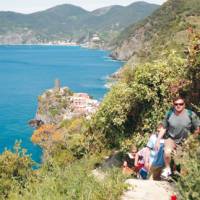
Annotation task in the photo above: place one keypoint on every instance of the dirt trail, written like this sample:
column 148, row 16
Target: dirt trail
column 148, row 190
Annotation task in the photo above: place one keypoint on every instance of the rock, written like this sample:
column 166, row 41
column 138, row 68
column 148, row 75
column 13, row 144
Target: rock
column 133, row 45
column 35, row 123
column 148, row 190
column 98, row 174
column 114, row 160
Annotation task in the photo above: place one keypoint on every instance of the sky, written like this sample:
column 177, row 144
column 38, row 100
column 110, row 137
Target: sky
column 29, row 6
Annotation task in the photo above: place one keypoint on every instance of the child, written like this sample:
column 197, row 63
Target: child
column 129, row 161
column 155, row 161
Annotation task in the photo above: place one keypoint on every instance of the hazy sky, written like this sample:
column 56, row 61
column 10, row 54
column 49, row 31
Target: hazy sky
column 28, row 6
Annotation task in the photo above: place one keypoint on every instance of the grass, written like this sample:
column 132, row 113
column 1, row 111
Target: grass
column 74, row 182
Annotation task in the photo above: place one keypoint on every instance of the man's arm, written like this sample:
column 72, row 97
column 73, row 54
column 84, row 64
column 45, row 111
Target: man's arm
column 160, row 136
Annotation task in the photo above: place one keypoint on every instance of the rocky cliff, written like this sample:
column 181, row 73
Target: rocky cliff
column 132, row 46
column 166, row 28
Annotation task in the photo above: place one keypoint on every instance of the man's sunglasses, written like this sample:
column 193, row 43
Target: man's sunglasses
column 179, row 104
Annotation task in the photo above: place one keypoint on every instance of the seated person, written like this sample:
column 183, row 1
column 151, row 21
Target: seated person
column 154, row 159
column 140, row 160
column 129, row 161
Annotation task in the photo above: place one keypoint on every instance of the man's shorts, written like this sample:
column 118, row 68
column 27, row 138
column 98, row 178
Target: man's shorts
column 170, row 146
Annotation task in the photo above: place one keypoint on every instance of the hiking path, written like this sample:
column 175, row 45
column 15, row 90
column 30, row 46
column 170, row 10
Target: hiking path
column 148, row 190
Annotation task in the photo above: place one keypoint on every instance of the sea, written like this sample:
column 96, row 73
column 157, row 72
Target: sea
column 26, row 71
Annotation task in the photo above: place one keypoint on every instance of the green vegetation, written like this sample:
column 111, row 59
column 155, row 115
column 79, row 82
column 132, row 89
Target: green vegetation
column 188, row 182
column 138, row 101
column 72, row 145
column 189, row 159
column 74, row 181
column 15, row 170
column 53, row 111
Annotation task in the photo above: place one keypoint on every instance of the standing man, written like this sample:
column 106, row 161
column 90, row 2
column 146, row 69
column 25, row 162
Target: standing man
column 177, row 125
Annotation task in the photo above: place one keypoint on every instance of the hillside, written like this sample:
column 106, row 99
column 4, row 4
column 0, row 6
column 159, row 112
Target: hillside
column 75, row 149
column 70, row 23
column 165, row 28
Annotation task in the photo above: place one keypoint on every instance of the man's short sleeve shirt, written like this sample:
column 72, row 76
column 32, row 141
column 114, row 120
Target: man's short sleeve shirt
column 179, row 126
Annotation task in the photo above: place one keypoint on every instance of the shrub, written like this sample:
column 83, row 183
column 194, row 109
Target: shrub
column 137, row 102
column 189, row 181
column 76, row 181
column 15, row 170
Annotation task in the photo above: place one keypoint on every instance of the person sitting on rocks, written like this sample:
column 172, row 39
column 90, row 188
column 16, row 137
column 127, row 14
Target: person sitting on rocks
column 129, row 161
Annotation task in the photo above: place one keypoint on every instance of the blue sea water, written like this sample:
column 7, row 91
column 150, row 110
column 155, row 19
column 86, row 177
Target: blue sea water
column 26, row 71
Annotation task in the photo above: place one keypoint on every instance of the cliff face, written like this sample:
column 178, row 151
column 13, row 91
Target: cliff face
column 20, row 36
column 133, row 45
column 166, row 28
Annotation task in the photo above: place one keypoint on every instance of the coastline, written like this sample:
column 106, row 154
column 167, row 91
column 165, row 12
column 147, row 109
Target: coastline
column 73, row 44
column 29, row 90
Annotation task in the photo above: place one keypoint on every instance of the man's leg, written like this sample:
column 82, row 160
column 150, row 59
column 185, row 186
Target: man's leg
column 169, row 147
